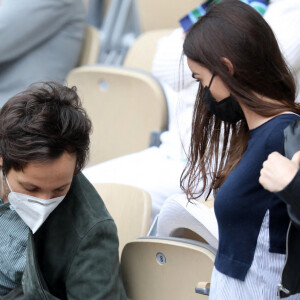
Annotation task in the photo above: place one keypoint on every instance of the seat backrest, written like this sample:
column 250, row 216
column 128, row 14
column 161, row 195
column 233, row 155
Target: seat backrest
column 163, row 269
column 130, row 208
column 90, row 48
column 157, row 14
column 141, row 53
column 125, row 106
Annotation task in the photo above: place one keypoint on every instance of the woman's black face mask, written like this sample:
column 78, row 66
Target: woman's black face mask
column 227, row 110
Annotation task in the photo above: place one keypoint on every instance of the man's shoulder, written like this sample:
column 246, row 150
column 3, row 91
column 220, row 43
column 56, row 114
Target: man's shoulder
column 79, row 228
column 82, row 209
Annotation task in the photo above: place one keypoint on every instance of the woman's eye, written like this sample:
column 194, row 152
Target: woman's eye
column 197, row 80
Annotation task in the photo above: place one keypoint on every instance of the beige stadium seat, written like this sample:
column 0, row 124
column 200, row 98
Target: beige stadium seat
column 162, row 269
column 157, row 14
column 130, row 208
column 90, row 48
column 141, row 53
column 125, row 106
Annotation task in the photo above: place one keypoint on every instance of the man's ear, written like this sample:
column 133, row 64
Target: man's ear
column 228, row 64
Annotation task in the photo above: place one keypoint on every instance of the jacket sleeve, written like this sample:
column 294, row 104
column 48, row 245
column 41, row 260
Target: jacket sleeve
column 95, row 272
column 25, row 24
column 291, row 196
column 291, row 193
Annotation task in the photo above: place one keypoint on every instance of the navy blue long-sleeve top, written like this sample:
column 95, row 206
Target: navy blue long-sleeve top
column 241, row 203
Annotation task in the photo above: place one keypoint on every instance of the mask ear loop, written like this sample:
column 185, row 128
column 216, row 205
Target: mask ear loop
column 212, row 77
column 8, row 184
column 3, row 188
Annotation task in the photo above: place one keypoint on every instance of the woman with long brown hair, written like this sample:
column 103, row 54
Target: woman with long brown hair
column 246, row 98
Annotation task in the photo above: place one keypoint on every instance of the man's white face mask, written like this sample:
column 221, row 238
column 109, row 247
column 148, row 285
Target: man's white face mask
column 32, row 210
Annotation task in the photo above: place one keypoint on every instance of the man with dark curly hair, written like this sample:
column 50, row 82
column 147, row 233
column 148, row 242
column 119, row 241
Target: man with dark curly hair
column 58, row 241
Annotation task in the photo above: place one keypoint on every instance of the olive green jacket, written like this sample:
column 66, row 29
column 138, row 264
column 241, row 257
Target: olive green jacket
column 74, row 255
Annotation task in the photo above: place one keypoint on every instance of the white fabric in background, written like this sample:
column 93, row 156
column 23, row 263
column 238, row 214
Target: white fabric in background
column 283, row 16
column 178, row 213
column 170, row 67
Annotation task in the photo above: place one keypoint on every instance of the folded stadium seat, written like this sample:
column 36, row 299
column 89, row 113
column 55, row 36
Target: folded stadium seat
column 162, row 269
column 130, row 208
column 140, row 56
column 90, row 48
column 125, row 106
column 157, row 14
column 141, row 53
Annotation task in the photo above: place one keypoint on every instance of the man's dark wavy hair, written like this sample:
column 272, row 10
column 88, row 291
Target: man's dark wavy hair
column 42, row 122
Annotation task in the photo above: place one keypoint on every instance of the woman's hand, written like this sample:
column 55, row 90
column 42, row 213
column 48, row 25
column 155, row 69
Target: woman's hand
column 278, row 171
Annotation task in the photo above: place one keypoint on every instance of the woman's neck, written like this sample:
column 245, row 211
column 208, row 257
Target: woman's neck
column 255, row 120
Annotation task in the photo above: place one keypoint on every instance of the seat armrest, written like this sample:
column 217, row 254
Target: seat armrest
column 155, row 138
column 203, row 288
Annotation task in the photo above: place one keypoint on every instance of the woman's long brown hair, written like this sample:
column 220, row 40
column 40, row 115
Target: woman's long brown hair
column 233, row 30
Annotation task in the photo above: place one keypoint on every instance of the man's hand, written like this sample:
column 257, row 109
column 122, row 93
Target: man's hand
column 278, row 171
